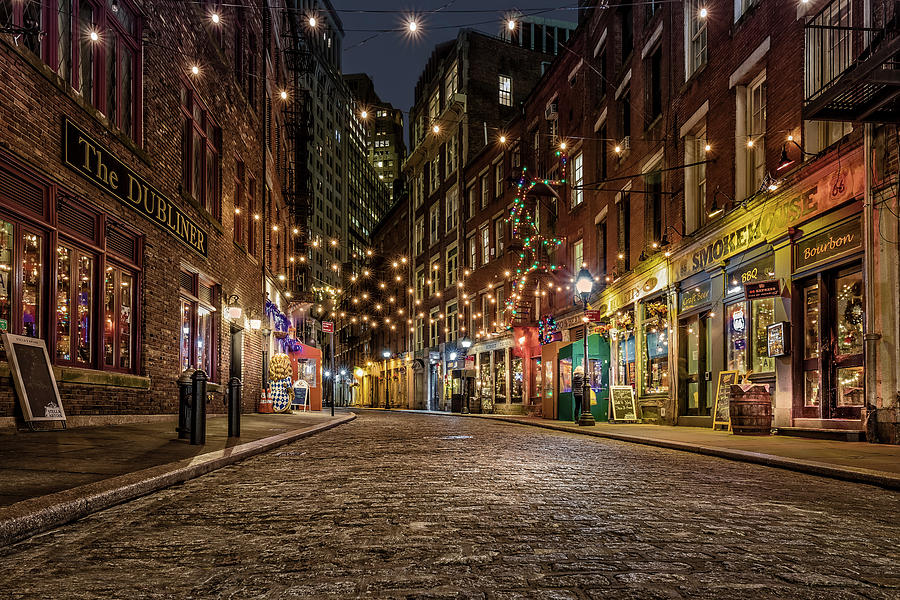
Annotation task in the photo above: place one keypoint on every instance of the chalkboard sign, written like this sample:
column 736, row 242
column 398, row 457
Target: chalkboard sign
column 721, row 415
column 301, row 394
column 622, row 403
column 33, row 377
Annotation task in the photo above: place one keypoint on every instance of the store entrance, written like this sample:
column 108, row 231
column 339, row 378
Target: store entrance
column 695, row 392
column 831, row 357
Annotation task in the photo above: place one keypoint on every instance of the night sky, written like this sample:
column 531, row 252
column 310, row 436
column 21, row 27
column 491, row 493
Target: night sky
column 394, row 60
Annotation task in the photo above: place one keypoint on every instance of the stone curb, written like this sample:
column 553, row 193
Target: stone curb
column 855, row 474
column 29, row 517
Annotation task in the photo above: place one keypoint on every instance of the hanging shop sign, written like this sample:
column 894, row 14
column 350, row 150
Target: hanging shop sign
column 95, row 162
column 762, row 289
column 694, row 297
column 828, row 245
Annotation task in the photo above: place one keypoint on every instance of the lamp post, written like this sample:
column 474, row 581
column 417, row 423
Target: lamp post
column 343, row 381
column 584, row 284
column 465, row 344
column 387, row 355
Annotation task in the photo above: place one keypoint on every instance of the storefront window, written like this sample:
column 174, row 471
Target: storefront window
column 850, row 386
column 762, row 315
column 746, row 335
column 500, row 376
column 625, row 363
column 565, row 375
column 6, row 272
column 537, row 377
column 850, row 313
column 74, row 294
column 32, row 271
column 548, row 379
column 517, row 378
column 199, row 341
column 485, row 373
column 656, row 348
column 118, row 298
column 811, row 322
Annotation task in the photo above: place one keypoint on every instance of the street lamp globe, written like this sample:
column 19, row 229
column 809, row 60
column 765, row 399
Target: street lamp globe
column 386, row 354
column 466, row 343
column 584, row 284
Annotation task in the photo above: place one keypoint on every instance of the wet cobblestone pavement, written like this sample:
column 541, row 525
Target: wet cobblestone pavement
column 418, row 506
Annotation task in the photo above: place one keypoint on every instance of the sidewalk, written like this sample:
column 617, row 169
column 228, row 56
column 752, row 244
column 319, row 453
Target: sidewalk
column 50, row 478
column 876, row 464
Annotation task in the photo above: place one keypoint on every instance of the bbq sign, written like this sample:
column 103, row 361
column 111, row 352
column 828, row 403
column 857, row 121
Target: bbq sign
column 89, row 158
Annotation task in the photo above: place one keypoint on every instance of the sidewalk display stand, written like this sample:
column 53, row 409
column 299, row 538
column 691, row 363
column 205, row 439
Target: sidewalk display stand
column 301, row 395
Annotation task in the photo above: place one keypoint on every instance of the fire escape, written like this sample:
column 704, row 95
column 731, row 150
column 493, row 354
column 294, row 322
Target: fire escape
column 853, row 62
column 297, row 191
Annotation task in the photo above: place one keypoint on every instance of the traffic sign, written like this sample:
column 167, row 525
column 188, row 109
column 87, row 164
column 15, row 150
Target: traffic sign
column 328, row 326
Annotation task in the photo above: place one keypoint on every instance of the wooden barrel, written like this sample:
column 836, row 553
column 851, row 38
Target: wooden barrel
column 751, row 410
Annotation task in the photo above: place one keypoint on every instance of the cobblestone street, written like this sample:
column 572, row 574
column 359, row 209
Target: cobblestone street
column 417, row 506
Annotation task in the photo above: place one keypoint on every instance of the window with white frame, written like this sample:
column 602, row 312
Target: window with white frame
column 419, row 235
column 473, row 196
column 452, row 208
column 420, row 283
column 695, row 37
column 435, row 174
column 420, row 333
column 756, row 134
column 741, row 7
column 434, row 223
column 452, row 154
column 577, row 255
column 499, row 234
column 452, row 265
column 500, row 306
column 434, row 105
column 485, row 245
column 485, row 190
column 434, row 275
column 505, row 90
column 473, row 251
column 577, row 179
column 818, row 135
column 695, row 179
column 419, row 190
column 434, row 327
column 498, row 179
column 452, row 321
column 451, row 82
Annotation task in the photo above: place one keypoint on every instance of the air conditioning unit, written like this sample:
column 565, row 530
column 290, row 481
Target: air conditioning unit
column 552, row 111
column 626, row 143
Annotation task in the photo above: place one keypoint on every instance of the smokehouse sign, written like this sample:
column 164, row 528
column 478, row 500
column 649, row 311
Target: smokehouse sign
column 86, row 156
column 838, row 187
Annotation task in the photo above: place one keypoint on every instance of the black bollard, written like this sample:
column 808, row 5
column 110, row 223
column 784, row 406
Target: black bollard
column 234, row 407
column 184, row 405
column 198, row 408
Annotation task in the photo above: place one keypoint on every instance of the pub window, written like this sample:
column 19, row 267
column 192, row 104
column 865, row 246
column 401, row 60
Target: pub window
column 199, row 347
column 202, row 147
column 119, row 326
column 75, row 278
column 746, row 328
column 21, row 260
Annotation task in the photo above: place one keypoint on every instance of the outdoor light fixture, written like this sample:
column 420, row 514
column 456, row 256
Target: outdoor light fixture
column 284, row 94
column 452, row 356
column 784, row 162
column 511, row 25
column 435, row 128
column 466, row 343
column 364, row 114
column 313, row 22
column 412, row 26
column 584, row 284
column 215, row 18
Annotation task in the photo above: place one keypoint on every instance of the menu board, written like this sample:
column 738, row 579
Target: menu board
column 33, row 378
column 777, row 339
column 621, row 403
column 721, row 414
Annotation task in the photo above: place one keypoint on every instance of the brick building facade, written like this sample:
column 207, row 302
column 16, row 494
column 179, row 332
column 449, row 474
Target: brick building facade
column 136, row 203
